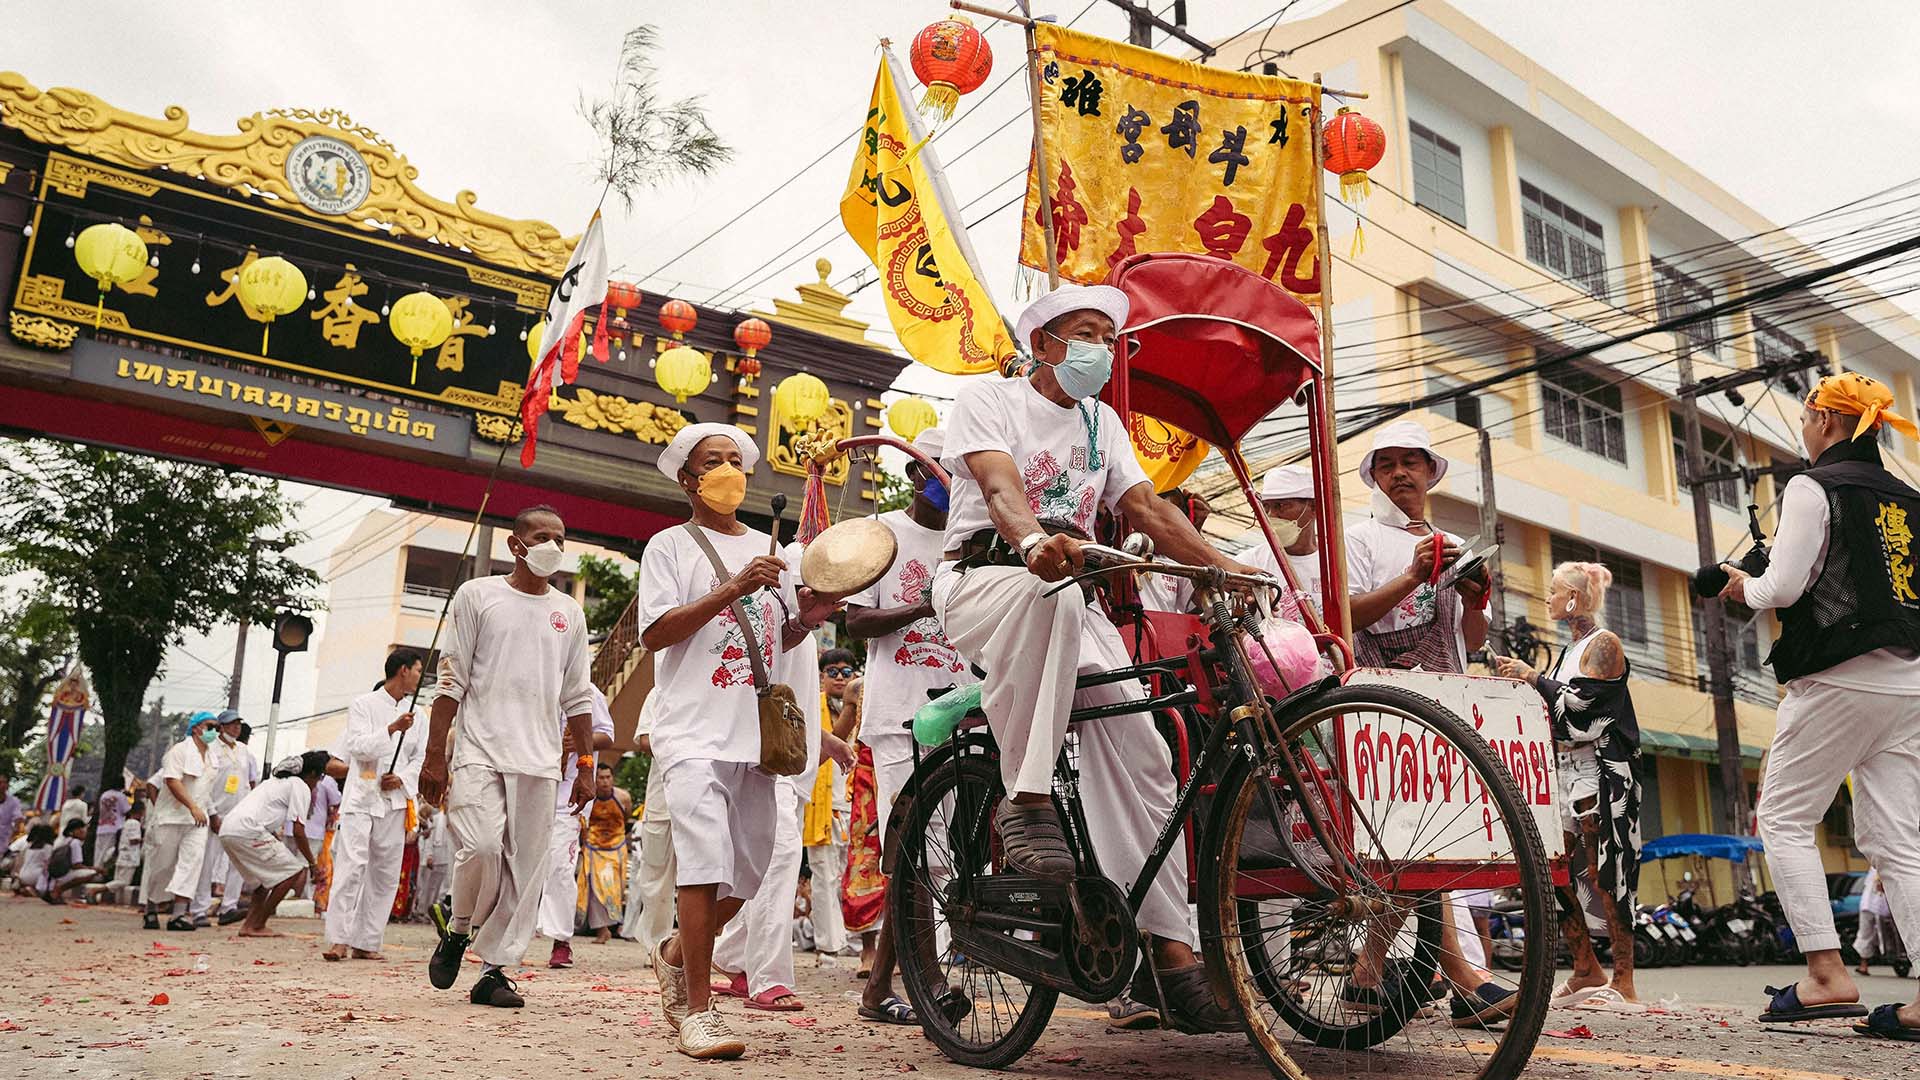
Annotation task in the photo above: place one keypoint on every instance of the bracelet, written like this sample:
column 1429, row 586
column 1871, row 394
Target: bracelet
column 585, row 761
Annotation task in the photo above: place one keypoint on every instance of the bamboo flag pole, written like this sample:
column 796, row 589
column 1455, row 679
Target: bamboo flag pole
column 1025, row 20
column 1334, row 542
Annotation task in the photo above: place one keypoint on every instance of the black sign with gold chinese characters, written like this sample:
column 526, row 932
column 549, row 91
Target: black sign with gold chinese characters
column 190, row 298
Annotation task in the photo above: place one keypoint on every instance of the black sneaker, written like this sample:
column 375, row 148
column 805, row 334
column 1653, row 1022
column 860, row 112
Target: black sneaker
column 440, row 912
column 495, row 989
column 443, row 967
column 228, row 918
column 150, row 922
column 180, row 922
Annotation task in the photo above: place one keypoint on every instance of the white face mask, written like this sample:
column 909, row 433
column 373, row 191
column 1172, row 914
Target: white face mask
column 543, row 558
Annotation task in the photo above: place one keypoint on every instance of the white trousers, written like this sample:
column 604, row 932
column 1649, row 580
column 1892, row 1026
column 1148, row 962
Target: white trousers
column 560, row 896
column 1824, row 733
column 106, row 844
column 173, row 854
column 1033, row 647
column 215, row 866
column 829, row 864
column 759, row 940
column 650, row 897
column 367, row 851
column 502, row 831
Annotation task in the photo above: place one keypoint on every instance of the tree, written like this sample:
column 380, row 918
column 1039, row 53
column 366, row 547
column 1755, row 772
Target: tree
column 894, row 489
column 644, row 138
column 610, row 590
column 36, row 646
column 139, row 551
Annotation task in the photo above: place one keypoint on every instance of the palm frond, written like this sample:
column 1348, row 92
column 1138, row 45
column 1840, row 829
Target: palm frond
column 646, row 139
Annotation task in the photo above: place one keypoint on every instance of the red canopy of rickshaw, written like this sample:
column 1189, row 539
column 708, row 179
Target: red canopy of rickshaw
column 1218, row 346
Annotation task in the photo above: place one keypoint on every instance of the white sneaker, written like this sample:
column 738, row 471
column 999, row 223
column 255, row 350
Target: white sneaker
column 673, row 987
column 706, row 1036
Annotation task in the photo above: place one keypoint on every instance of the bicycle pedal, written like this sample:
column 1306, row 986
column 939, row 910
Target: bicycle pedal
column 1082, row 925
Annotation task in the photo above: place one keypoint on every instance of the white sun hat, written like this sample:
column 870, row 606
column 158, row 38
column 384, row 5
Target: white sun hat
column 674, row 457
column 1291, row 482
column 931, row 442
column 1104, row 299
column 1403, row 435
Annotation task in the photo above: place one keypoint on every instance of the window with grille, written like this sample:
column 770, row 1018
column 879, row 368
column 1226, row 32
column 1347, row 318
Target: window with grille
column 1439, row 183
column 1774, row 345
column 1584, row 410
column 1564, row 240
column 1626, row 611
column 1717, row 454
column 1676, row 293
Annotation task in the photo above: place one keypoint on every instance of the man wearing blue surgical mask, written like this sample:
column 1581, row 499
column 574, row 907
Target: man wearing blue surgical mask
column 1033, row 460
column 177, row 828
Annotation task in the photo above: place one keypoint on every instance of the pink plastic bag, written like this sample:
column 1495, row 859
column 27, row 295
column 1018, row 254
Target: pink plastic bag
column 1285, row 659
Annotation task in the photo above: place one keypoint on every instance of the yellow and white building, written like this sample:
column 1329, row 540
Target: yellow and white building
column 1513, row 218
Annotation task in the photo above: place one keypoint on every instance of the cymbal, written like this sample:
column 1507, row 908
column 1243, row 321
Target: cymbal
column 848, row 557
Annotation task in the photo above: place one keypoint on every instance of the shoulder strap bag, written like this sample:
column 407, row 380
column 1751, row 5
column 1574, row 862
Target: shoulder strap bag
column 783, row 726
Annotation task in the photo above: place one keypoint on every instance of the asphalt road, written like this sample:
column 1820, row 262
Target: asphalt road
column 78, row 1000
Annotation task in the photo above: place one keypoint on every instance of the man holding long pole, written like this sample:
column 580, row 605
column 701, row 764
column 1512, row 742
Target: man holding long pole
column 516, row 654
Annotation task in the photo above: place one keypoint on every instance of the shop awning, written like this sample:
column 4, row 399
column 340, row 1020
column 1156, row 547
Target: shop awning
column 1695, row 747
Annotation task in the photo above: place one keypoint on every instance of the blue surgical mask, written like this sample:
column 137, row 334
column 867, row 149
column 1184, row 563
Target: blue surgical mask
column 1085, row 370
column 210, row 736
column 935, row 493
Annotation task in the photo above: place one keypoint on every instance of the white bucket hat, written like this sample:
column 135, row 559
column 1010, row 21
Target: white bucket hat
column 674, row 457
column 1104, row 299
column 1403, row 435
column 1291, row 482
column 931, row 442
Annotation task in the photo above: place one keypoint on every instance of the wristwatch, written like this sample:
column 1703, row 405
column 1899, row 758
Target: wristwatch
column 1029, row 542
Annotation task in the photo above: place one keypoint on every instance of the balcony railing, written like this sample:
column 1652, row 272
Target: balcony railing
column 610, row 662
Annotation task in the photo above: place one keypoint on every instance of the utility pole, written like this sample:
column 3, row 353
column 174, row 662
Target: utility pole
column 1726, row 724
column 1490, row 533
column 240, row 640
column 1141, row 23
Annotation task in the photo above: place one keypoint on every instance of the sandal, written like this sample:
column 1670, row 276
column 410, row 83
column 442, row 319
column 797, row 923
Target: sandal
column 1566, row 996
column 1785, row 1008
column 1190, row 1001
column 1031, row 839
column 1486, row 1006
column 891, row 1011
column 1884, row 1023
column 734, row 987
column 768, row 1000
column 954, row 1005
column 1608, row 999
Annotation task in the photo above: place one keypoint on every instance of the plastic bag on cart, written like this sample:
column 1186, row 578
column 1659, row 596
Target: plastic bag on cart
column 1284, row 655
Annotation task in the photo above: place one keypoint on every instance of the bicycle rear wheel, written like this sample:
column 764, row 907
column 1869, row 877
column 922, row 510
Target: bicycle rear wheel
column 976, row 1016
column 1321, row 974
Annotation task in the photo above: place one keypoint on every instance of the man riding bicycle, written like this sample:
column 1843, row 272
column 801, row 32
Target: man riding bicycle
column 1033, row 458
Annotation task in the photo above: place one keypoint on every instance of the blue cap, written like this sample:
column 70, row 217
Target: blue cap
column 203, row 714
column 227, row 716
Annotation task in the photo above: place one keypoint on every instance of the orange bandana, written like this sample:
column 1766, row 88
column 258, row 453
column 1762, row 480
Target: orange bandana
column 1856, row 395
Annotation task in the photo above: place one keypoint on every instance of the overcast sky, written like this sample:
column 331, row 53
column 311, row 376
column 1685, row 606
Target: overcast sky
column 1791, row 107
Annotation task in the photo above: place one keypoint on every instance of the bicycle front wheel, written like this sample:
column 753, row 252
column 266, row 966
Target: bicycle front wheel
column 1326, row 962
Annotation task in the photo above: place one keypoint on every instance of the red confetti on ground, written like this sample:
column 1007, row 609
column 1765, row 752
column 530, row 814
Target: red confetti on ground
column 164, row 947
column 1069, row 1059
column 83, row 941
column 46, row 1001
column 159, row 999
column 111, row 1045
column 1581, row 1032
column 802, row 1021
column 266, row 963
column 904, row 1067
column 838, row 1050
column 66, row 922
column 8, row 1025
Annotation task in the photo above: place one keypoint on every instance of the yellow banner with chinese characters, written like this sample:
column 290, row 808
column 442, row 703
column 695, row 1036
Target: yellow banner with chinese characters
column 1148, row 153
column 893, row 209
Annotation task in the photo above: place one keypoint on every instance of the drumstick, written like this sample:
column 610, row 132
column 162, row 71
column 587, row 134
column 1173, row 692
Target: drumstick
column 779, row 507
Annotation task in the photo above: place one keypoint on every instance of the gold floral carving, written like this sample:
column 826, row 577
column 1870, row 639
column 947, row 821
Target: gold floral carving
column 497, row 429
column 256, row 159
column 791, row 442
column 41, row 333
column 45, row 293
column 650, row 423
column 70, row 177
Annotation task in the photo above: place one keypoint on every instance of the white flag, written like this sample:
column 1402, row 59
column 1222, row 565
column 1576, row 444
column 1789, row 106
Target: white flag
column 582, row 288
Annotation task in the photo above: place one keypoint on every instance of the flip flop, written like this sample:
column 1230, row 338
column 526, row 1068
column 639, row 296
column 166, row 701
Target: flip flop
column 1606, row 998
column 1884, row 1023
column 735, row 987
column 1565, row 998
column 891, row 1011
column 1785, row 1008
column 766, row 1000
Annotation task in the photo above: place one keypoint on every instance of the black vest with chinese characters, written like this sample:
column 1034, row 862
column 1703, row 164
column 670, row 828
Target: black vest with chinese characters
column 1866, row 594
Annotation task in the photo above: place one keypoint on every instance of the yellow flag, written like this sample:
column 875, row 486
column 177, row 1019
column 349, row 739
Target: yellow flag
column 895, row 210
column 1148, row 153
column 1166, row 454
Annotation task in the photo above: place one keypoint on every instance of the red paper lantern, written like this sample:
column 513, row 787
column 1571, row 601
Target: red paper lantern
column 1352, row 145
column 622, row 296
column 752, row 336
column 677, row 317
column 950, row 58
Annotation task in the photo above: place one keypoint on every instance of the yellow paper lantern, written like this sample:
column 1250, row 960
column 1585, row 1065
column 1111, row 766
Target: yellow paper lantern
column 269, row 288
column 910, row 416
column 111, row 254
column 421, row 321
column 539, row 333
column 802, row 397
column 683, row 371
